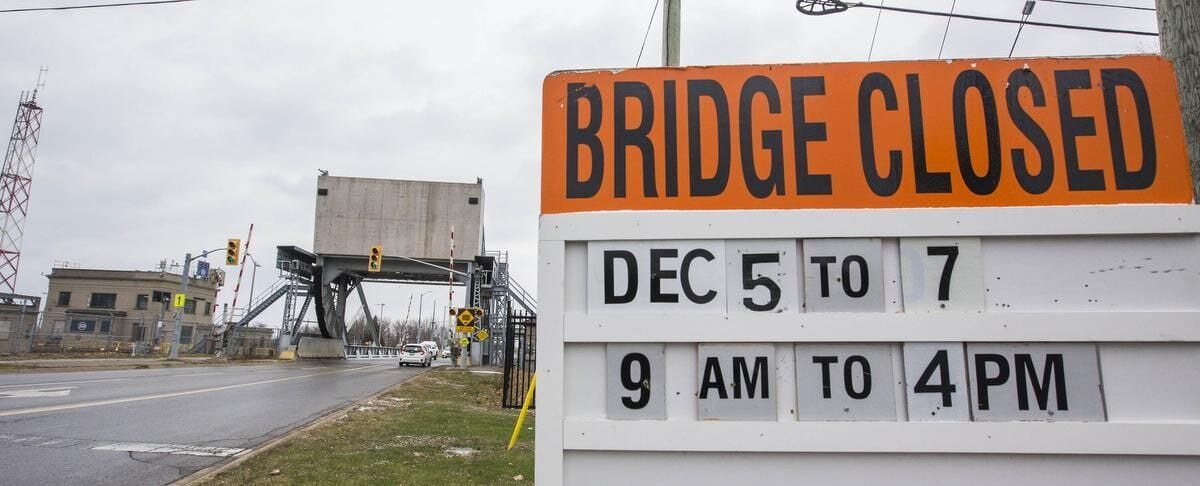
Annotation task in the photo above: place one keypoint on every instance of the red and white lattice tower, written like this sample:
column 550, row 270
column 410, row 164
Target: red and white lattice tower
column 15, row 183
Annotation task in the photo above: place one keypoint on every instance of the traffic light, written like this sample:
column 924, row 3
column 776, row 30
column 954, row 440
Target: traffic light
column 232, row 251
column 375, row 262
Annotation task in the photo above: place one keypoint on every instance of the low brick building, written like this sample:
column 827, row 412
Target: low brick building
column 112, row 309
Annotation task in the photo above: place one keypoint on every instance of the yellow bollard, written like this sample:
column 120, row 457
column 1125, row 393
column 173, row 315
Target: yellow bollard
column 524, row 409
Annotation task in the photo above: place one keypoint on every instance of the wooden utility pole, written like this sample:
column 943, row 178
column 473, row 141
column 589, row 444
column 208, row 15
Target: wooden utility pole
column 1179, row 37
column 671, row 33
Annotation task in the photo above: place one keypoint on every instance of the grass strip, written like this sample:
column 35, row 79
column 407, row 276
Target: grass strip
column 444, row 427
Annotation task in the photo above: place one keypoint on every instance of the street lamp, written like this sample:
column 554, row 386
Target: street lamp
column 253, row 274
column 420, row 304
column 433, row 309
column 183, row 286
column 379, row 324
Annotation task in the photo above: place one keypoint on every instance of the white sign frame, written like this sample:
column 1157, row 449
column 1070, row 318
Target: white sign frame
column 563, row 322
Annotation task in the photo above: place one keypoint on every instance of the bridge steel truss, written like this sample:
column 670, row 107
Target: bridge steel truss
column 337, row 276
column 327, row 282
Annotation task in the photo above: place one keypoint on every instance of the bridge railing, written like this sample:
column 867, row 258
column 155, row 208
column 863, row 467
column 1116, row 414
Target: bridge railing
column 354, row 351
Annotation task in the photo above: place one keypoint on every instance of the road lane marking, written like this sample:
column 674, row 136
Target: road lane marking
column 136, row 447
column 184, row 450
column 38, row 392
column 63, row 382
column 199, row 374
column 72, row 406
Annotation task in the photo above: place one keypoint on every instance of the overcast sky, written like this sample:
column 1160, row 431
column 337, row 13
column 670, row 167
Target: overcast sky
column 168, row 129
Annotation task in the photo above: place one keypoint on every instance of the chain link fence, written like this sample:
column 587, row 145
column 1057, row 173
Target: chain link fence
column 66, row 332
column 249, row 342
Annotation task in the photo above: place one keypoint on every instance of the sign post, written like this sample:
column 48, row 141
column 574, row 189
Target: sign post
column 865, row 272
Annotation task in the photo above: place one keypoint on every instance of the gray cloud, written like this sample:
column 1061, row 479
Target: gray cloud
column 169, row 129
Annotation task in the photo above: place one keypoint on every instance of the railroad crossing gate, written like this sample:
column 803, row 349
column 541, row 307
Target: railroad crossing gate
column 975, row 272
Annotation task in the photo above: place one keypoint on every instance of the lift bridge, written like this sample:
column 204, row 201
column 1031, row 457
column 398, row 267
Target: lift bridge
column 409, row 219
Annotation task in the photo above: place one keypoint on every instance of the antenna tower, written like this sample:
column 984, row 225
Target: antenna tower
column 16, row 181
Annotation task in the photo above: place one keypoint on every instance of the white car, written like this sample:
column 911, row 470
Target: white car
column 432, row 347
column 415, row 354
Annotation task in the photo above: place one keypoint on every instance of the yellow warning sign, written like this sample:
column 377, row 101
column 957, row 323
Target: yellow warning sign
column 180, row 300
column 464, row 329
column 465, row 317
column 482, row 335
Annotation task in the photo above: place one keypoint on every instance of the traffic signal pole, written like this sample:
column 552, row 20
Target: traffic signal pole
column 183, row 287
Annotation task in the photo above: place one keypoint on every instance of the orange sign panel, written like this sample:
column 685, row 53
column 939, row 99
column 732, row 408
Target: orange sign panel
column 1032, row 132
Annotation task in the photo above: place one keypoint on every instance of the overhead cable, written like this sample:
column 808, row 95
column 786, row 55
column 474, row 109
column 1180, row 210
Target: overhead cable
column 825, row 7
column 653, row 13
column 946, row 31
column 1106, row 5
column 97, row 5
column 1025, row 13
column 879, row 15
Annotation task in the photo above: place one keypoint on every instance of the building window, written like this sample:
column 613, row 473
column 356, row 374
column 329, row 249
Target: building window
column 103, row 301
column 185, row 335
column 106, row 326
column 64, row 298
column 143, row 301
column 208, row 308
column 189, row 306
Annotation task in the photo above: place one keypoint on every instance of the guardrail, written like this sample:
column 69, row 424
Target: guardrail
column 354, row 351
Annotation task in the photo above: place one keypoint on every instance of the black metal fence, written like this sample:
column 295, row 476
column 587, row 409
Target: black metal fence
column 520, row 357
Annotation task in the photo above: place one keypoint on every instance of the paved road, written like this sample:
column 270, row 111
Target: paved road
column 155, row 426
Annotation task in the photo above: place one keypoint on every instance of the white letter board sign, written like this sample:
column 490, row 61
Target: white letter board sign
column 981, row 272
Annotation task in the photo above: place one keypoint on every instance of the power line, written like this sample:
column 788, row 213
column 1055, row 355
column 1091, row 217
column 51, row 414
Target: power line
column 878, row 15
column 824, row 7
column 947, row 31
column 647, row 35
column 100, row 5
column 1108, row 5
column 1025, row 13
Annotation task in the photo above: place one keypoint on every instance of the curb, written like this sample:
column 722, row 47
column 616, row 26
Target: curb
column 333, row 416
